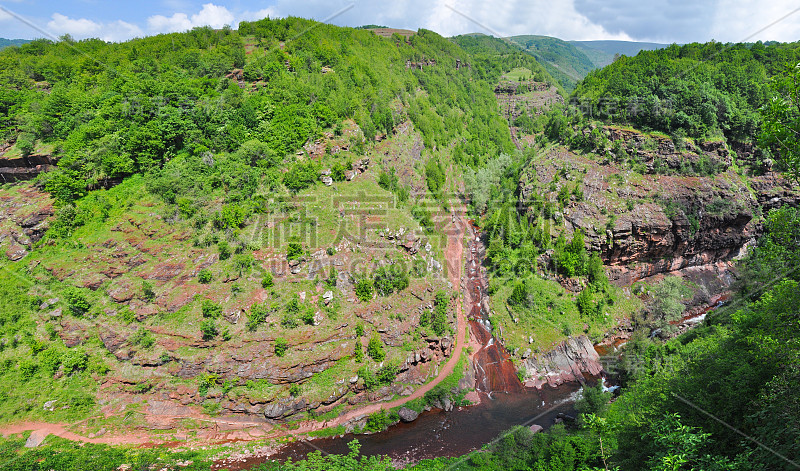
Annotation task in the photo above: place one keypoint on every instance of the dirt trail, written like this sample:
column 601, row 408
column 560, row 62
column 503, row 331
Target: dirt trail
column 42, row 429
column 454, row 256
column 454, row 259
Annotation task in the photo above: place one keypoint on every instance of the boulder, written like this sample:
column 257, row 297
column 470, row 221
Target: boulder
column 447, row 404
column 407, row 415
column 35, row 439
column 277, row 410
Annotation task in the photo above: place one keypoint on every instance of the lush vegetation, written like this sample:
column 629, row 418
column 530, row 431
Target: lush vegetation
column 668, row 417
column 65, row 455
column 494, row 57
column 697, row 90
column 563, row 60
column 124, row 112
column 157, row 118
column 781, row 124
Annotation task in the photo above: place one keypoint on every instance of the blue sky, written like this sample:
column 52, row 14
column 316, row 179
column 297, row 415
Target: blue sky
column 642, row 20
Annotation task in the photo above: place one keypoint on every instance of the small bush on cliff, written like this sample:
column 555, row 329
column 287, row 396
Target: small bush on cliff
column 389, row 279
column 440, row 306
column 257, row 315
column 267, row 282
column 205, row 276
column 585, row 302
column 142, row 338
column 76, row 301
column 570, row 258
column 209, row 329
column 593, row 400
column 375, row 348
column 74, row 359
column 383, row 377
column 210, row 309
column 364, row 289
column 596, row 272
column 667, row 298
column 358, row 352
column 148, row 292
column 224, row 250
column 380, row 421
column 308, row 316
column 281, row 346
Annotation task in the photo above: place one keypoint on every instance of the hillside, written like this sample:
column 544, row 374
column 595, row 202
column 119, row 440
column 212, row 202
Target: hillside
column 563, row 60
column 571, row 61
column 253, row 226
column 4, row 43
column 602, row 53
column 219, row 245
column 697, row 90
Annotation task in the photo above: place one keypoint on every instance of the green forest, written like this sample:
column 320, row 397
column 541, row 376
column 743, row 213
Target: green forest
column 711, row 90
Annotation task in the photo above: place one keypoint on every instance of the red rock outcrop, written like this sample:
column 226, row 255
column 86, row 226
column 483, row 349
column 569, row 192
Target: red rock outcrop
column 571, row 360
column 23, row 168
column 644, row 225
column 25, row 215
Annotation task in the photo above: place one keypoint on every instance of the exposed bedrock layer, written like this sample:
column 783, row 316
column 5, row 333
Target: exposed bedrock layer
column 647, row 224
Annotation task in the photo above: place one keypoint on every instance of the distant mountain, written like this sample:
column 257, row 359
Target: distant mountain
column 602, row 53
column 570, row 61
column 4, row 43
column 563, row 60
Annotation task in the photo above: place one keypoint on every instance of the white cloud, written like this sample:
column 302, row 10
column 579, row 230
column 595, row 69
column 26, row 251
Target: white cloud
column 504, row 18
column 121, row 31
column 737, row 20
column 85, row 28
column 259, row 15
column 210, row 15
column 513, row 17
column 80, row 28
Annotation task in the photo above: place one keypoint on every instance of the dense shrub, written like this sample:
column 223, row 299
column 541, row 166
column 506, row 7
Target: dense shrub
column 205, row 276
column 375, row 348
column 257, row 315
column 267, row 281
column 76, row 301
column 281, row 346
column 390, row 279
column 364, row 289
column 209, row 329
column 210, row 309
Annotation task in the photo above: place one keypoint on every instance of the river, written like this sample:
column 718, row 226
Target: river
column 505, row 402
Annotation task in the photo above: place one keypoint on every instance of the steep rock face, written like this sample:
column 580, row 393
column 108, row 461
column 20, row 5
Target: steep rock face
column 659, row 154
column 569, row 361
column 649, row 224
column 653, row 239
column 23, row 168
column 25, row 215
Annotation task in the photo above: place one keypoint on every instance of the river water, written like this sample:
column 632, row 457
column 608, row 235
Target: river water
column 438, row 433
column 505, row 402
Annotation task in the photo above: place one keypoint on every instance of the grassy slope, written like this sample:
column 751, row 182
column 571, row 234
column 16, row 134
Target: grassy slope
column 129, row 237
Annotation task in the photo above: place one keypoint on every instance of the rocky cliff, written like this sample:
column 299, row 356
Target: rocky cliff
column 24, row 218
column 571, row 360
column 16, row 168
column 646, row 224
